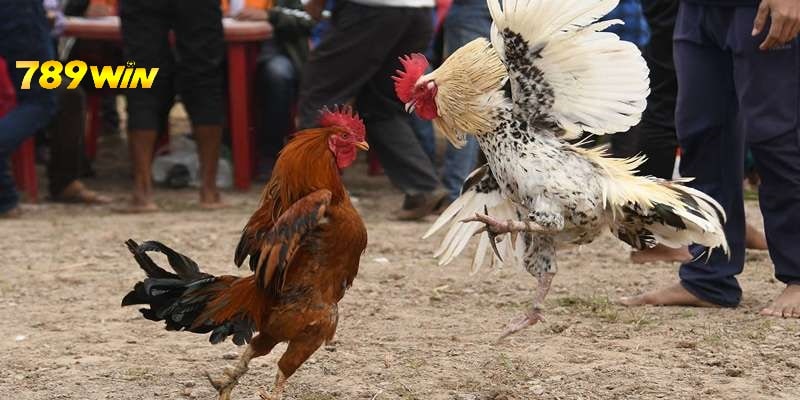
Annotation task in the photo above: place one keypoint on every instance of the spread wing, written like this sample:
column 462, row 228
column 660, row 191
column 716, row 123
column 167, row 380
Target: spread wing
column 564, row 72
column 480, row 192
column 271, row 245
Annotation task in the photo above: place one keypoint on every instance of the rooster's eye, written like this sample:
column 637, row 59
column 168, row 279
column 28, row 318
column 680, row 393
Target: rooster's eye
column 345, row 136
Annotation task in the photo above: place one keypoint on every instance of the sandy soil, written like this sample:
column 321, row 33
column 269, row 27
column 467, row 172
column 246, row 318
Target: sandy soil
column 408, row 329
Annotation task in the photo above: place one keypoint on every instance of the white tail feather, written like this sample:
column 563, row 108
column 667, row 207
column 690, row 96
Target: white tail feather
column 459, row 233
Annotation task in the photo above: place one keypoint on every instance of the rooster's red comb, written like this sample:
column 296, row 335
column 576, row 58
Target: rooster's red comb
column 414, row 66
column 344, row 117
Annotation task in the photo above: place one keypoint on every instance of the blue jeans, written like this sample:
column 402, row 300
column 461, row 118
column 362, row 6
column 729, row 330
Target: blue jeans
column 466, row 21
column 732, row 94
column 25, row 36
column 424, row 131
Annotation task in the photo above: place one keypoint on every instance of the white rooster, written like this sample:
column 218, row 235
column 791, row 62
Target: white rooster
column 549, row 75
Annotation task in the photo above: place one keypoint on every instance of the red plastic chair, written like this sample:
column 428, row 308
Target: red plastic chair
column 23, row 161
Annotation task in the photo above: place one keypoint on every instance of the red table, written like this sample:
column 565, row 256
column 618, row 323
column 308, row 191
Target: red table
column 243, row 40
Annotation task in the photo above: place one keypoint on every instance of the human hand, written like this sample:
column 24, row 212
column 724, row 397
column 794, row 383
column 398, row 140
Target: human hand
column 97, row 10
column 252, row 14
column 785, row 25
column 314, row 8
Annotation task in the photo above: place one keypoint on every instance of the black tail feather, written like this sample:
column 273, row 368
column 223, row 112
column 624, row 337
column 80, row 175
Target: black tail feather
column 180, row 299
column 146, row 263
column 184, row 266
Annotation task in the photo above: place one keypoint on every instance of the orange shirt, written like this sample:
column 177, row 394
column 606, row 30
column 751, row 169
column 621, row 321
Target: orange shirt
column 112, row 4
column 262, row 4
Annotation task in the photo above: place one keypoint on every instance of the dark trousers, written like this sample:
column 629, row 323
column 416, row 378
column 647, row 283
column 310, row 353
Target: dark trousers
column 723, row 76
column 67, row 158
column 24, row 36
column 197, row 70
column 356, row 59
column 277, row 85
column 656, row 133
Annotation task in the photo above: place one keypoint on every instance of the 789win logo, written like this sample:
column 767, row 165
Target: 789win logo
column 119, row 77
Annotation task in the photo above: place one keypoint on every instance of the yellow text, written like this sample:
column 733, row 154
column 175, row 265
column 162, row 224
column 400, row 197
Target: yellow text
column 52, row 73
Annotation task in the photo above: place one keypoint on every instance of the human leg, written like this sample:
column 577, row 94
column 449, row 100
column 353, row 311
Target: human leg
column 23, row 28
column 67, row 152
column 713, row 154
column 145, row 38
column 466, row 21
column 401, row 154
column 66, row 140
column 712, row 144
column 349, row 48
column 425, row 134
column 277, row 82
column 657, row 137
column 363, row 71
column 768, row 88
column 200, row 43
column 778, row 163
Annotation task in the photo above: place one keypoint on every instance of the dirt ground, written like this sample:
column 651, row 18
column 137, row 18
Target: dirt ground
column 408, row 328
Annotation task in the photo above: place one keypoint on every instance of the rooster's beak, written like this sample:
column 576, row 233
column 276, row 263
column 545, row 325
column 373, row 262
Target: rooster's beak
column 410, row 107
column 363, row 145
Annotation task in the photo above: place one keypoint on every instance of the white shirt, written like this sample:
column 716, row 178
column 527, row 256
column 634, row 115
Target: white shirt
column 235, row 6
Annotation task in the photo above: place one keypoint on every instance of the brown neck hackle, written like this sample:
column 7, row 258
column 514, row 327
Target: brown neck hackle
column 305, row 164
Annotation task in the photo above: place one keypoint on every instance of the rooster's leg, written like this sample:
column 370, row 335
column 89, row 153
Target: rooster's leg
column 296, row 354
column 277, row 391
column 497, row 227
column 230, row 376
column 535, row 312
column 539, row 262
column 259, row 346
column 539, row 222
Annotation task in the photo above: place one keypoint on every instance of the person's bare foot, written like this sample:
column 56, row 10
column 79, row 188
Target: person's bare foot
column 210, row 199
column 141, row 202
column 208, row 141
column 137, row 206
column 673, row 295
column 786, row 305
column 754, row 239
column 77, row 192
column 141, row 143
column 661, row 253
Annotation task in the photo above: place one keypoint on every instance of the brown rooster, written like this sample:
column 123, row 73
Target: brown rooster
column 304, row 244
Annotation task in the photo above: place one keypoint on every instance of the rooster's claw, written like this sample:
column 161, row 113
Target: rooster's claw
column 264, row 395
column 522, row 322
column 490, row 227
column 224, row 384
